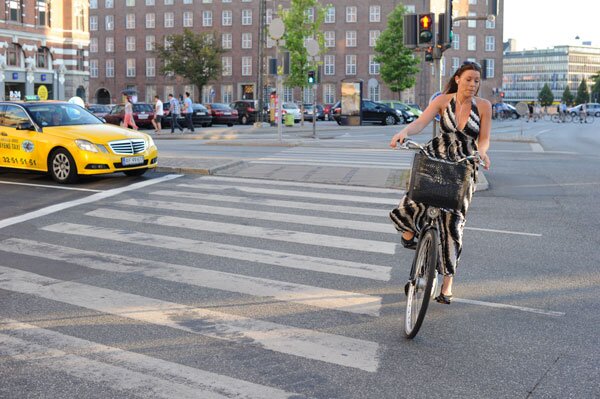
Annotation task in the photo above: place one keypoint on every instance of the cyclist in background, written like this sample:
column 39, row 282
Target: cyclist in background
column 582, row 112
column 465, row 124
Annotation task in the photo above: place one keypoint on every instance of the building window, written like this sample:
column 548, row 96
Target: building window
column 455, row 64
column 351, row 38
column 43, row 13
column 329, row 93
column 130, row 21
column 207, row 18
column 307, row 95
column 110, row 68
column 490, row 43
column 93, row 23
column 456, row 41
column 130, row 72
column 168, row 2
column 109, row 22
column 150, row 42
column 130, row 43
column 227, row 93
column 79, row 17
column 246, row 17
column 288, row 94
column 226, row 41
column 443, row 66
column 109, row 44
column 129, row 3
column 490, row 24
column 150, row 67
column 109, row 3
column 93, row 45
column 227, row 66
column 330, row 15
column 43, row 56
column 474, row 2
column 246, row 40
column 207, row 94
column 246, row 66
column 329, row 38
column 150, row 20
column 471, row 23
column 374, row 13
column 310, row 14
column 169, row 20
column 93, row 68
column 373, row 37
column 471, row 43
column 374, row 91
column 93, row 4
column 350, row 64
column 150, row 93
column 13, row 55
column 150, row 2
column 329, row 65
column 373, row 66
column 188, row 19
column 269, row 16
column 489, row 68
column 187, row 1
column 15, row 10
column 351, row 14
column 226, row 18
column 168, row 90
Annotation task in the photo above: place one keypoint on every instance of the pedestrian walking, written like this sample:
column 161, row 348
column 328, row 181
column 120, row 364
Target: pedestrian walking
column 188, row 111
column 465, row 124
column 530, row 111
column 128, row 117
column 158, row 114
column 174, row 111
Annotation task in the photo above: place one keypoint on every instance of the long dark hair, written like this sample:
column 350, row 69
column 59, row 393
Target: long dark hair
column 452, row 86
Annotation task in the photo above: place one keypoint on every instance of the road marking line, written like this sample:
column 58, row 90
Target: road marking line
column 282, row 291
column 559, row 184
column 513, row 307
column 325, row 163
column 301, row 184
column 310, row 344
column 520, row 233
column 92, row 198
column 49, row 186
column 292, row 193
column 263, row 233
column 536, row 147
column 353, row 210
column 273, row 258
column 120, row 369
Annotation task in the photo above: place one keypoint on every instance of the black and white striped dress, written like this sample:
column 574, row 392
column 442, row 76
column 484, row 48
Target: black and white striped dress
column 452, row 144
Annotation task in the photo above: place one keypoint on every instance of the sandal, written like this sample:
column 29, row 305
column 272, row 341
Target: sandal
column 445, row 299
column 410, row 244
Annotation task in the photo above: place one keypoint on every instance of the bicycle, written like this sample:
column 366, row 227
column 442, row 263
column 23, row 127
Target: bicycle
column 422, row 284
column 583, row 119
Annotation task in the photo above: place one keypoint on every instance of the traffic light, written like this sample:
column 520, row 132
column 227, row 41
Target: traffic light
column 311, row 77
column 410, row 31
column 429, row 54
column 426, row 29
column 445, row 27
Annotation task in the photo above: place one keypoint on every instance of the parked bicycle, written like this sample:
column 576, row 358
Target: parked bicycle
column 439, row 184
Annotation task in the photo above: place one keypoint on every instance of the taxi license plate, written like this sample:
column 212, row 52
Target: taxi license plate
column 130, row 161
column 143, row 116
column 200, row 113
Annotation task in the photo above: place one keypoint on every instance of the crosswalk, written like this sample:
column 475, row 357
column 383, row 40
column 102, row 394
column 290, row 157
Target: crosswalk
column 245, row 264
column 342, row 157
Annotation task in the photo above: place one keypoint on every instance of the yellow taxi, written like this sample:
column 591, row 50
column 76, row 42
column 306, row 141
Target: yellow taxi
column 66, row 141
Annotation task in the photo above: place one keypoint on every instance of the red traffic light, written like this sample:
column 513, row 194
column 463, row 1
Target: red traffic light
column 425, row 29
column 425, row 21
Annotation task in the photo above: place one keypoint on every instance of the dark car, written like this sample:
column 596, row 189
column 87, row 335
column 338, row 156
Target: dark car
column 142, row 114
column 99, row 110
column 222, row 114
column 308, row 112
column 201, row 116
column 372, row 112
column 248, row 111
column 403, row 110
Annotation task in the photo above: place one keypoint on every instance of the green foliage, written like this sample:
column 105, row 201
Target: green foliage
column 596, row 87
column 298, row 27
column 545, row 96
column 397, row 64
column 568, row 97
column 583, row 94
column 193, row 56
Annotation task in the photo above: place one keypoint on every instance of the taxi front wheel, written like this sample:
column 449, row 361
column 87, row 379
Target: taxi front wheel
column 62, row 167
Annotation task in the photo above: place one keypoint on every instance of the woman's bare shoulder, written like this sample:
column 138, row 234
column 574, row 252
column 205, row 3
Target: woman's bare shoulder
column 482, row 103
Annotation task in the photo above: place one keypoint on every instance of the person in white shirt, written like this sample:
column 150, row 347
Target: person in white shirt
column 158, row 114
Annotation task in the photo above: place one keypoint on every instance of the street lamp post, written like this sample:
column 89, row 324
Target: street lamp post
column 276, row 31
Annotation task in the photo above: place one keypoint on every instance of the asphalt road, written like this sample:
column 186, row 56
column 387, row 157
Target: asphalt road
column 194, row 286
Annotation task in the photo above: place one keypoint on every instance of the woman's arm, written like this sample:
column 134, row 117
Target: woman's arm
column 485, row 128
column 416, row 126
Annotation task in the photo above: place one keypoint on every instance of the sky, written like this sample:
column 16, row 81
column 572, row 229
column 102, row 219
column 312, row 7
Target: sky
column 547, row 23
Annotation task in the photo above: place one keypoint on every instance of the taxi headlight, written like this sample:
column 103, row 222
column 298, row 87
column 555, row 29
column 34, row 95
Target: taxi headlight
column 150, row 142
column 86, row 145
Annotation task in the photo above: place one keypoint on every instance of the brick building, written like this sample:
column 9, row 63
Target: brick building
column 43, row 48
column 124, row 32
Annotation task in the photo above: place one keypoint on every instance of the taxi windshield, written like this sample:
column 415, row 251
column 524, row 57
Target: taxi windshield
column 63, row 114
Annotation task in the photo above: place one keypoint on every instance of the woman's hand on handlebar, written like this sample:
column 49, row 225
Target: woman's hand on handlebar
column 398, row 138
column 485, row 160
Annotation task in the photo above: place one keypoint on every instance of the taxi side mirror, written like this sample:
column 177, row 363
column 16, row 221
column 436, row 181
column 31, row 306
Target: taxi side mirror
column 25, row 126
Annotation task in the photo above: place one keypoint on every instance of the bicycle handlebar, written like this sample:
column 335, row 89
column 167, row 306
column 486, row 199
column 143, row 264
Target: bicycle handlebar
column 409, row 144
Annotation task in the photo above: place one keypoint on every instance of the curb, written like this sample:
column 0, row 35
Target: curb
column 197, row 171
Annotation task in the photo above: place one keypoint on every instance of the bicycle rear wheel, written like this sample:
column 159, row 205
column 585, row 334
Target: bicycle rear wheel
column 421, row 283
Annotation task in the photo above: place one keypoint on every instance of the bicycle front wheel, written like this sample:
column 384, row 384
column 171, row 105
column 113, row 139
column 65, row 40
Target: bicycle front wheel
column 421, row 283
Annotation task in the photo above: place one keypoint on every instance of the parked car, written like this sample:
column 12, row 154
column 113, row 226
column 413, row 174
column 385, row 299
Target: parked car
column 372, row 112
column 505, row 111
column 66, row 141
column 222, row 114
column 403, row 110
column 415, row 109
column 592, row 109
column 202, row 116
column 142, row 115
column 100, row 110
column 291, row 108
column 308, row 112
column 248, row 111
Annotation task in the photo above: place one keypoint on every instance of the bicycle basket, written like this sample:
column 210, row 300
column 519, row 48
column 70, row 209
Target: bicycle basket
column 439, row 183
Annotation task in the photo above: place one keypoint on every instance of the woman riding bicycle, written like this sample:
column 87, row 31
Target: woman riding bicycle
column 465, row 124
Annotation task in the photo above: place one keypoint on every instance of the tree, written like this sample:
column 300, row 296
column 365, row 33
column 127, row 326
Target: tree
column 583, row 95
column 397, row 64
column 567, row 96
column 193, row 56
column 596, row 87
column 546, row 97
column 302, row 20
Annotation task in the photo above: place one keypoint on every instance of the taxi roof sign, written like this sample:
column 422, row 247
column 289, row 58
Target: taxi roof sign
column 32, row 98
